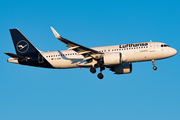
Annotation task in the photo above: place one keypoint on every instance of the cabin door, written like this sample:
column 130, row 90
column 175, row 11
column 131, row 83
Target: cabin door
column 151, row 46
column 40, row 58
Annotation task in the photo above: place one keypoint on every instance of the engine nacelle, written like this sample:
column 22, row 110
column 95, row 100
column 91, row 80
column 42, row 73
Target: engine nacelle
column 122, row 69
column 112, row 59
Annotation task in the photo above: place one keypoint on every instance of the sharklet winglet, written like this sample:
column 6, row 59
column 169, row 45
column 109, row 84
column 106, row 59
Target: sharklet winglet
column 55, row 33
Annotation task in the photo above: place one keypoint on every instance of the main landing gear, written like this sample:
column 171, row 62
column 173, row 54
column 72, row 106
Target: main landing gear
column 154, row 67
column 100, row 75
column 93, row 70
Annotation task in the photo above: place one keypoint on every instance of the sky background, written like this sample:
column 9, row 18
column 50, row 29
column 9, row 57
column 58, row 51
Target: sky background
column 30, row 93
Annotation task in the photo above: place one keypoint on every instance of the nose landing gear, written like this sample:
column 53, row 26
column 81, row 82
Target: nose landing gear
column 154, row 67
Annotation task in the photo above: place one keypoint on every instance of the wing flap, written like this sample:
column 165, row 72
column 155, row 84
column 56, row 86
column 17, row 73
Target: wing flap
column 87, row 58
column 71, row 48
column 81, row 53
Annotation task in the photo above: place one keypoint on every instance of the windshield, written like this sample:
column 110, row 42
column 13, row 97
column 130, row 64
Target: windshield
column 165, row 45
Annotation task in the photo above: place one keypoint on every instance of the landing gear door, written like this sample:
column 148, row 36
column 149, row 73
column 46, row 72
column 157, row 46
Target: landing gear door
column 152, row 47
column 40, row 59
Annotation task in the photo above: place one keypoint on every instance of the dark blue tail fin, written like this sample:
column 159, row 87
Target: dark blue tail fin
column 22, row 45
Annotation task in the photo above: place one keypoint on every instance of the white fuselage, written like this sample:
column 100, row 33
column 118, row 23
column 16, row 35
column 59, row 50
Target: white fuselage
column 136, row 52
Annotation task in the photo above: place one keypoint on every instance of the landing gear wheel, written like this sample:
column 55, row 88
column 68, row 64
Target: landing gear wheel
column 93, row 70
column 155, row 68
column 100, row 76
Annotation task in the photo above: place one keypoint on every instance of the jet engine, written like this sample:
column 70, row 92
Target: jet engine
column 114, row 58
column 122, row 69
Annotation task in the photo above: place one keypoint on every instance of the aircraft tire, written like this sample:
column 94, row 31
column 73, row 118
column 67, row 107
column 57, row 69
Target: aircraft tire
column 93, row 70
column 155, row 68
column 100, row 76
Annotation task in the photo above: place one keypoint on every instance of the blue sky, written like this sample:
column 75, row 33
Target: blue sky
column 28, row 93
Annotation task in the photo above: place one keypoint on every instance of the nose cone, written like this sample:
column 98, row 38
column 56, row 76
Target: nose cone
column 168, row 52
column 174, row 51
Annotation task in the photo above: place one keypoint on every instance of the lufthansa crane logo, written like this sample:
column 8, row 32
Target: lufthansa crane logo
column 22, row 46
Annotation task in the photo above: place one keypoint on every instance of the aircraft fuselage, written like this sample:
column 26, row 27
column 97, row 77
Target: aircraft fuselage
column 136, row 52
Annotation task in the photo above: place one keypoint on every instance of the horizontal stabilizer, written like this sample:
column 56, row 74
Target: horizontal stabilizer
column 16, row 56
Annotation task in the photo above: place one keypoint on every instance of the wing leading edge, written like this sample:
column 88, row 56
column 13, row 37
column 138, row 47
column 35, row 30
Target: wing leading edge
column 88, row 53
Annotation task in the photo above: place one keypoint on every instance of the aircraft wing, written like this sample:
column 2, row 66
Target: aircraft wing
column 88, row 53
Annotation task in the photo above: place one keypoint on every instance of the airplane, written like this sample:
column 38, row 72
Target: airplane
column 117, row 58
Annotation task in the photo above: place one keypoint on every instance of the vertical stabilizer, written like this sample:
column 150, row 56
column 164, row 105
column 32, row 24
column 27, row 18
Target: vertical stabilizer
column 22, row 45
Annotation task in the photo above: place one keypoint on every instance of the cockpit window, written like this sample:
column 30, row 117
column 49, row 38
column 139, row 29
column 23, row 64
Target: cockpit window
column 165, row 45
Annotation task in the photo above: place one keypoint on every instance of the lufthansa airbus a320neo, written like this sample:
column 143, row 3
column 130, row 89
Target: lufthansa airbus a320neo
column 117, row 58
